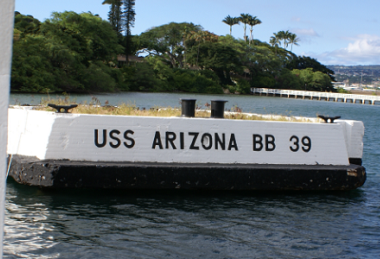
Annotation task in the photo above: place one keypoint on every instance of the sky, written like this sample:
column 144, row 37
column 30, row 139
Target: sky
column 335, row 32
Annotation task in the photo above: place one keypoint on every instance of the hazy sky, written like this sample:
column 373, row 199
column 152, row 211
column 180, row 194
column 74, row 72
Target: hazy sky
column 345, row 32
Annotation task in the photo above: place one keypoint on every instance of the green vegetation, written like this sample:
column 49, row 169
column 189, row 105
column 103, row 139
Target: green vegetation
column 73, row 52
column 343, row 91
column 69, row 52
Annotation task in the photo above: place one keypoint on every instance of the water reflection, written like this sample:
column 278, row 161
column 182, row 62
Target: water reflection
column 27, row 233
column 92, row 224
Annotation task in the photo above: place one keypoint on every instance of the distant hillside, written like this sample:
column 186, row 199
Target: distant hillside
column 355, row 74
column 339, row 67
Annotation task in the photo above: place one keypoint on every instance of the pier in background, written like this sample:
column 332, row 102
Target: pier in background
column 320, row 96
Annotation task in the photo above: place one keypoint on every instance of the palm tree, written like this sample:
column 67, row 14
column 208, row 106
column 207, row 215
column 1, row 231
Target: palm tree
column 278, row 37
column 244, row 18
column 284, row 35
column 231, row 21
column 293, row 40
column 275, row 41
column 252, row 22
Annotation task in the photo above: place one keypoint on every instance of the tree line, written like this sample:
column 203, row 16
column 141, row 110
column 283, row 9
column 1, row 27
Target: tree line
column 79, row 53
column 69, row 52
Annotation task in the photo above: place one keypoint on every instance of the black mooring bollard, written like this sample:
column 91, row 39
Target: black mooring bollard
column 188, row 107
column 65, row 108
column 217, row 109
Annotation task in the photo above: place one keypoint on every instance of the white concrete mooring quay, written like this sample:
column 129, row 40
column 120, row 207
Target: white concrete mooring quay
column 320, row 96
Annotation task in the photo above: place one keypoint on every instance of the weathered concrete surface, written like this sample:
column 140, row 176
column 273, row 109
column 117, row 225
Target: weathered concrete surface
column 6, row 34
column 166, row 176
column 112, row 138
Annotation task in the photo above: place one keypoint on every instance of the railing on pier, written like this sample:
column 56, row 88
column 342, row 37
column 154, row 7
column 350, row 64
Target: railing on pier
column 337, row 97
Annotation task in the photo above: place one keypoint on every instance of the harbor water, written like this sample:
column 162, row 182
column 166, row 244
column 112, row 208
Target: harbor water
column 150, row 224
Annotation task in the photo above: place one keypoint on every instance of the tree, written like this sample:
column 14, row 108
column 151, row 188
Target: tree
column 26, row 24
column 293, row 40
column 157, row 76
column 308, row 62
column 219, row 58
column 321, row 82
column 244, row 18
column 289, row 80
column 168, row 42
column 128, row 23
column 275, row 42
column 284, row 35
column 122, row 18
column 252, row 22
column 77, row 53
column 70, row 52
column 115, row 14
column 231, row 21
column 277, row 38
column 258, row 63
column 202, row 37
column 32, row 70
column 314, row 81
column 260, row 60
column 85, row 33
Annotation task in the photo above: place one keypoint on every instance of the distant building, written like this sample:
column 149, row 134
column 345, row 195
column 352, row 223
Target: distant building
column 121, row 59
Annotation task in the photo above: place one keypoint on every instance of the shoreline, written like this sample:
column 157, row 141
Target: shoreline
column 356, row 92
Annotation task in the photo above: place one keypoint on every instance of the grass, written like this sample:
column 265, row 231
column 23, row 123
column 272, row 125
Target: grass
column 95, row 107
